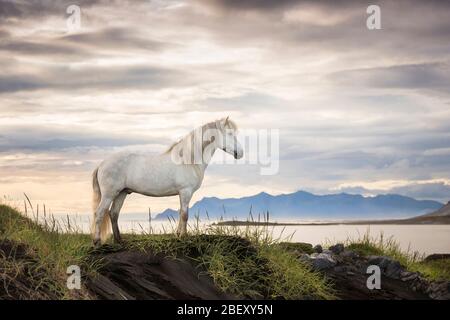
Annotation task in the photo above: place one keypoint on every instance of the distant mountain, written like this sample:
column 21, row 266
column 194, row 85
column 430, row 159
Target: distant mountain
column 305, row 205
column 442, row 212
column 441, row 216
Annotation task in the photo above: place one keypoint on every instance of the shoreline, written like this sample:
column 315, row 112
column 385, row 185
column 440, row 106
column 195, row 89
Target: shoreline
column 410, row 221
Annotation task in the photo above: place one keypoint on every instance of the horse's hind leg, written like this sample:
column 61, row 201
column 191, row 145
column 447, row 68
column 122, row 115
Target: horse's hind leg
column 114, row 214
column 102, row 209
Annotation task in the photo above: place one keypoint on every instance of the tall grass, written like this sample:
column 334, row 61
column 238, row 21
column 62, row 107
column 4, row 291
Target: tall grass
column 245, row 262
column 382, row 245
column 56, row 245
column 411, row 260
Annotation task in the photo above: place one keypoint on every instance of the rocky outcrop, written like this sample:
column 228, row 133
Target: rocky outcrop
column 437, row 256
column 337, row 248
column 126, row 274
column 318, row 248
column 320, row 261
column 439, row 290
column 389, row 267
column 348, row 271
column 136, row 275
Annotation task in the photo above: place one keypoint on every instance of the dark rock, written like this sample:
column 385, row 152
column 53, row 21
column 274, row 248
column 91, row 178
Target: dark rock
column 350, row 280
column 337, row 248
column 375, row 260
column 138, row 275
column 348, row 272
column 340, row 269
column 408, row 276
column 389, row 267
column 437, row 256
column 354, row 268
column 323, row 261
column 349, row 254
column 305, row 257
column 394, row 269
column 318, row 249
column 319, row 261
column 440, row 290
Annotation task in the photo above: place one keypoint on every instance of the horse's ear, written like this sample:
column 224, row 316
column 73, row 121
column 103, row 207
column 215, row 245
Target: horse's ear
column 226, row 120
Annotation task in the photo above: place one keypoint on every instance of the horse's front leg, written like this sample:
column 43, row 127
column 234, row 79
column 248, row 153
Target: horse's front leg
column 185, row 198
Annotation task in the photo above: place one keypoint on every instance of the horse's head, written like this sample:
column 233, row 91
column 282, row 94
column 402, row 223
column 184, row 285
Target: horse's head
column 228, row 141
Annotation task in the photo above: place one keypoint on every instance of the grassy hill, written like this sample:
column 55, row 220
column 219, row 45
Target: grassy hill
column 218, row 263
column 39, row 256
column 250, row 267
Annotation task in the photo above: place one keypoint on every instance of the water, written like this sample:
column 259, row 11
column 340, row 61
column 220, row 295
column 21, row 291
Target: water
column 425, row 239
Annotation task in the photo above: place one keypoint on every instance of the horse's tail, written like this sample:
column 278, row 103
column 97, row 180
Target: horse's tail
column 105, row 227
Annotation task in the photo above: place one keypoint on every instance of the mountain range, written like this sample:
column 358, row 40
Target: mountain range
column 442, row 212
column 308, row 206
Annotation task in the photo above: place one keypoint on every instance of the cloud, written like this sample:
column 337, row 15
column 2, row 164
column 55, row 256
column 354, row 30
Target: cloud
column 434, row 76
column 19, row 83
column 113, row 78
column 439, row 191
column 39, row 8
column 114, row 37
column 40, row 48
column 9, row 9
column 351, row 104
column 250, row 4
column 34, row 138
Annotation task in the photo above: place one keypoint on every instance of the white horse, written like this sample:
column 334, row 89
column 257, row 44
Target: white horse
column 173, row 172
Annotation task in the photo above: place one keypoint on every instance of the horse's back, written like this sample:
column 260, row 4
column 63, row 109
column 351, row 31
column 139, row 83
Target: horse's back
column 148, row 174
column 138, row 172
column 113, row 172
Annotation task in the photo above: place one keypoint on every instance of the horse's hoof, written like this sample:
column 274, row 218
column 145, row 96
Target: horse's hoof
column 181, row 234
column 118, row 241
column 97, row 243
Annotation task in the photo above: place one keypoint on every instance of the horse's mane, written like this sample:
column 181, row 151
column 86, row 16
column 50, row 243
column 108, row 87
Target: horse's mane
column 230, row 124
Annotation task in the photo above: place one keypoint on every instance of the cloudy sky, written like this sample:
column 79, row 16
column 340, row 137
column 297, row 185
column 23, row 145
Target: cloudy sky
column 358, row 110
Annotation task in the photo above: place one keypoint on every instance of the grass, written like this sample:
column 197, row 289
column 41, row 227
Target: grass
column 292, row 279
column 246, row 263
column 234, row 263
column 411, row 260
column 54, row 250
